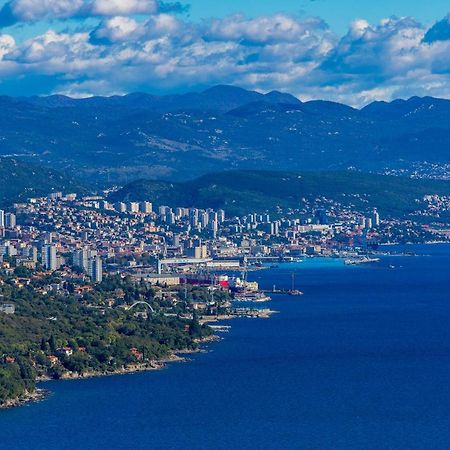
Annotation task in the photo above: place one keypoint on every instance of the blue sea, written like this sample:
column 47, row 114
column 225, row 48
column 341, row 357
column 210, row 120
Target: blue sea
column 361, row 361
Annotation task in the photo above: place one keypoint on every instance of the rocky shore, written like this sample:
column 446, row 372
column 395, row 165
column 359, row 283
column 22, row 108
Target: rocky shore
column 28, row 397
column 40, row 394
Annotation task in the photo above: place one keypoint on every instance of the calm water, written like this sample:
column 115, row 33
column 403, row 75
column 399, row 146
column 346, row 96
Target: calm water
column 362, row 361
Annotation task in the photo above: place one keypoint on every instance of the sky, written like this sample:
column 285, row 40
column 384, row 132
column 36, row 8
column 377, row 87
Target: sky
column 337, row 13
column 349, row 51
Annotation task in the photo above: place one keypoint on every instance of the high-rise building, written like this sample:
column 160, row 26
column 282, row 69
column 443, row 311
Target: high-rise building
column 80, row 258
column 197, row 252
column 2, row 218
column 170, row 217
column 49, row 257
column 31, row 253
column 273, row 228
column 204, row 219
column 193, row 217
column 213, row 216
column 121, row 207
column 214, row 227
column 146, row 207
column 133, row 207
column 163, row 210
column 375, row 218
column 96, row 269
column 10, row 220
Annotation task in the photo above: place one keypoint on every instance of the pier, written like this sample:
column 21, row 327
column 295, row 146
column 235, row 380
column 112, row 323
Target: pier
column 281, row 291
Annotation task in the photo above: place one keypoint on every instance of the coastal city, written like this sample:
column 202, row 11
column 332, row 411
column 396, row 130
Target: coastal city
column 87, row 238
column 224, row 225
column 161, row 279
column 91, row 237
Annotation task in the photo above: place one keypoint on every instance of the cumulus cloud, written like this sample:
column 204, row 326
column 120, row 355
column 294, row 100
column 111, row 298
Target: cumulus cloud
column 122, row 7
column 33, row 10
column 134, row 45
column 16, row 11
column 122, row 29
column 264, row 30
column 7, row 45
column 116, row 29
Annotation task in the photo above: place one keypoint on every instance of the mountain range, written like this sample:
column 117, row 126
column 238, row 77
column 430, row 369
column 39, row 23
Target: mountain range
column 181, row 137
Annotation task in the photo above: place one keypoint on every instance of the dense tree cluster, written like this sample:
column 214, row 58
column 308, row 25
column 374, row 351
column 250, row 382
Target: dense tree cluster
column 63, row 331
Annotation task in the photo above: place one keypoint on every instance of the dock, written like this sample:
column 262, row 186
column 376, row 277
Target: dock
column 282, row 291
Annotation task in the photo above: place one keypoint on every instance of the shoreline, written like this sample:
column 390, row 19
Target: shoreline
column 29, row 397
column 40, row 394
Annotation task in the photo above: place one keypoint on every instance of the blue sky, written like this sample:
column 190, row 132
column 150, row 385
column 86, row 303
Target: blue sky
column 348, row 51
column 338, row 13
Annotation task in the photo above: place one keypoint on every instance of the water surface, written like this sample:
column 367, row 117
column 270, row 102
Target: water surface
column 361, row 361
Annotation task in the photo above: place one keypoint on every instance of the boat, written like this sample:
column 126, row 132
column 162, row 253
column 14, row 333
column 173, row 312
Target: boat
column 256, row 297
column 295, row 292
column 363, row 260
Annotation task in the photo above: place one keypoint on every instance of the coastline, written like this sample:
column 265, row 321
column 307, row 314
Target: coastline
column 41, row 394
column 177, row 356
column 29, row 397
column 148, row 366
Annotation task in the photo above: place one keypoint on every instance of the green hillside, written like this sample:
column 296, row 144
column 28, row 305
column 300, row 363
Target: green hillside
column 20, row 180
column 244, row 191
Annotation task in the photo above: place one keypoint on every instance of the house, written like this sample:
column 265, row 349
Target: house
column 67, row 351
column 7, row 308
column 137, row 354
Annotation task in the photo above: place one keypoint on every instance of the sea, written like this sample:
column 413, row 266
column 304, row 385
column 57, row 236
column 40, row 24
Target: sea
column 360, row 361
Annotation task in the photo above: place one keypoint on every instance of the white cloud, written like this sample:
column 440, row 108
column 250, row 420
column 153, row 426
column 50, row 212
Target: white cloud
column 123, row 53
column 121, row 29
column 116, row 29
column 7, row 45
column 34, row 10
column 265, row 29
column 122, row 7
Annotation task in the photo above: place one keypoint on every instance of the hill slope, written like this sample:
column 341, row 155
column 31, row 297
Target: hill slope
column 241, row 192
column 21, row 180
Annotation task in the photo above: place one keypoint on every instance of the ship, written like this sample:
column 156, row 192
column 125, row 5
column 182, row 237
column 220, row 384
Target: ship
column 256, row 297
column 363, row 260
column 295, row 292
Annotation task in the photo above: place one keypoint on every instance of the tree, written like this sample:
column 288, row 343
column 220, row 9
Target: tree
column 52, row 343
column 195, row 329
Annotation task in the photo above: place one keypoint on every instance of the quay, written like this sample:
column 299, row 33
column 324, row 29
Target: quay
column 290, row 292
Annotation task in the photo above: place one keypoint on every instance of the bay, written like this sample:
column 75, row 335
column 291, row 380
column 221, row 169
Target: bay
column 361, row 361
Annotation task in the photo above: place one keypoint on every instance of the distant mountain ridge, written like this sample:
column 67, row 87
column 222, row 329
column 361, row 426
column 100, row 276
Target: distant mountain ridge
column 217, row 98
column 172, row 137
